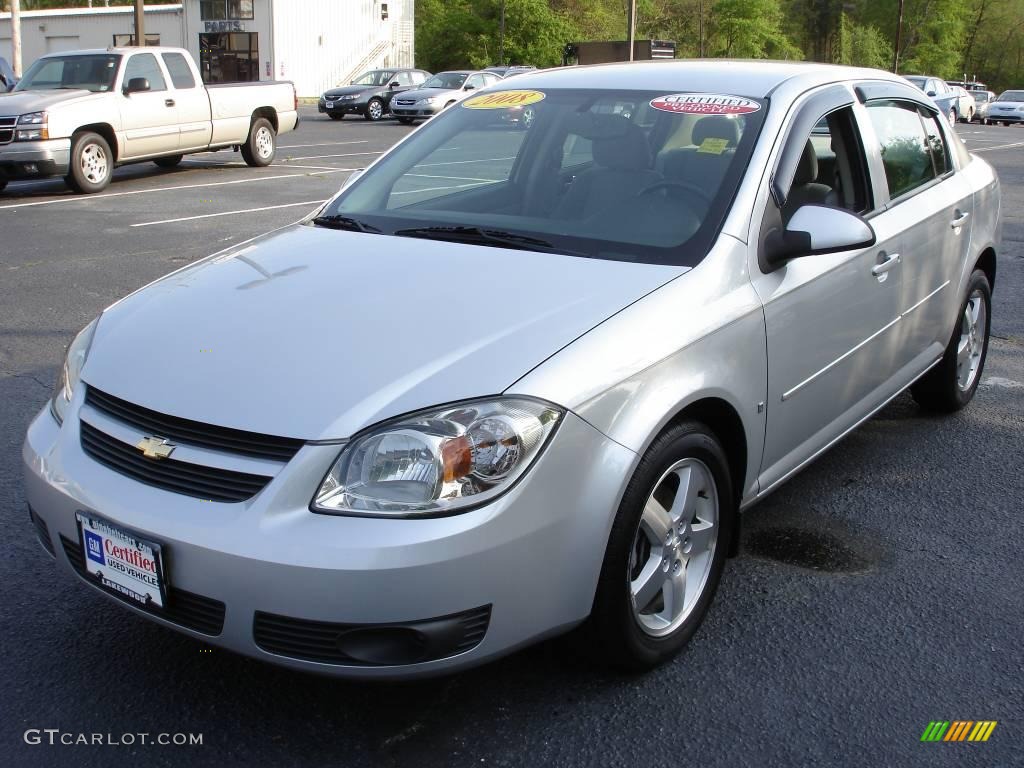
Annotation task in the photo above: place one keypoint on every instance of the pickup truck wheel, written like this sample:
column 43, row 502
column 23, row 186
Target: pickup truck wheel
column 951, row 384
column 374, row 110
column 168, row 162
column 92, row 163
column 261, row 146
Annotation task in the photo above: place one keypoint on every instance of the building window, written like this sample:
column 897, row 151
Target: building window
column 220, row 10
column 128, row 41
column 229, row 57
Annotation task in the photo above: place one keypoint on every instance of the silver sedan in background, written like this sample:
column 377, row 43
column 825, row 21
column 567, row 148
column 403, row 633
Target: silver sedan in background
column 511, row 383
column 439, row 92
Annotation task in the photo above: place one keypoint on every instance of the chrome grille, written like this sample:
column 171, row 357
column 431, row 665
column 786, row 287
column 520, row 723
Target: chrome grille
column 7, row 129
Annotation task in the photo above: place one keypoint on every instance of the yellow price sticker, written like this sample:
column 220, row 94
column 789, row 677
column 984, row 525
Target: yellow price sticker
column 713, row 146
column 503, row 99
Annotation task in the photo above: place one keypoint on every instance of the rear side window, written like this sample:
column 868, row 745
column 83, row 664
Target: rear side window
column 904, row 146
column 145, row 65
column 937, row 146
column 181, row 74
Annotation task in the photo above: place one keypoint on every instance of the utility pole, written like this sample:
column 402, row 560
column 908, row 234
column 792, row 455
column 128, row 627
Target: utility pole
column 501, row 36
column 899, row 35
column 140, row 23
column 700, row 28
column 631, row 27
column 16, row 36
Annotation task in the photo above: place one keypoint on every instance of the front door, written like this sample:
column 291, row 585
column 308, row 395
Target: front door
column 149, row 119
column 829, row 318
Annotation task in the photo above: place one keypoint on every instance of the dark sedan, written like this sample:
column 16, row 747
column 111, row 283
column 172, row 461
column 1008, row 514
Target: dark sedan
column 370, row 94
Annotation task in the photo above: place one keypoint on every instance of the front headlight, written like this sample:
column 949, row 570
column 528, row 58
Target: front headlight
column 438, row 462
column 32, row 118
column 68, row 379
column 37, row 133
column 430, row 100
column 349, row 97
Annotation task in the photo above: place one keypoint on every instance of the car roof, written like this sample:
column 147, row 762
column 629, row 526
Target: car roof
column 755, row 79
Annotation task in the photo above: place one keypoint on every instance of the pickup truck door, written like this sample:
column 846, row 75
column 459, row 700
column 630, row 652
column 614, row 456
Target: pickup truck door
column 149, row 119
column 192, row 102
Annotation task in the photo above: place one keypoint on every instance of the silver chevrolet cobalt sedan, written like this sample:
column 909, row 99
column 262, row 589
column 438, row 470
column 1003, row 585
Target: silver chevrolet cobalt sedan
column 514, row 380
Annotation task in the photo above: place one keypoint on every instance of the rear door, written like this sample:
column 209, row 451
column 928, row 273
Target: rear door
column 191, row 101
column 149, row 119
column 933, row 204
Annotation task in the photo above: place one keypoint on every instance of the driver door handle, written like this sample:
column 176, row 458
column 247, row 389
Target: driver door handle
column 886, row 264
column 959, row 220
column 168, row 102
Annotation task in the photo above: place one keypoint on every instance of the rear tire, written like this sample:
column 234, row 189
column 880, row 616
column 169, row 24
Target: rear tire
column 671, row 535
column 171, row 161
column 260, row 147
column 92, row 163
column 951, row 384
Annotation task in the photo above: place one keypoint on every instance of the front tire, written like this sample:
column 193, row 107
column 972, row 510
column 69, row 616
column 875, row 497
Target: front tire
column 952, row 117
column 260, row 147
column 171, row 161
column 405, row 120
column 951, row 384
column 374, row 110
column 92, row 163
column 666, row 550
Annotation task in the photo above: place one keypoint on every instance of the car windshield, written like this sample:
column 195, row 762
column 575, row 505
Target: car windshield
column 447, row 80
column 627, row 175
column 89, row 72
column 1011, row 96
column 918, row 81
column 376, row 77
column 979, row 96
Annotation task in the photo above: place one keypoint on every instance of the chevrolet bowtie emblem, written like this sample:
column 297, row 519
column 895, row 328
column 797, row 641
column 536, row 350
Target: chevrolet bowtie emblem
column 155, row 447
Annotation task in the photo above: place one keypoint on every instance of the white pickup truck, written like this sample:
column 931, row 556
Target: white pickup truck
column 80, row 114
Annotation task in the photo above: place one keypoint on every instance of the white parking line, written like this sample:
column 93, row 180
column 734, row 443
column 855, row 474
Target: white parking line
column 324, row 144
column 205, row 164
column 441, row 189
column 320, row 157
column 1001, row 146
column 226, row 213
column 454, row 178
column 89, row 198
column 460, row 162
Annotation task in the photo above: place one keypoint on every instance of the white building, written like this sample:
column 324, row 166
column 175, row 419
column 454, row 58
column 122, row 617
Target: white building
column 316, row 44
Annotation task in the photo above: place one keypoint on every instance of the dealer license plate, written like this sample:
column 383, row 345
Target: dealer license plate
column 122, row 561
column 330, row 105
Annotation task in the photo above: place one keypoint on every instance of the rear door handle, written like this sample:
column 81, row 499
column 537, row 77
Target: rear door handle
column 959, row 220
column 168, row 102
column 884, row 266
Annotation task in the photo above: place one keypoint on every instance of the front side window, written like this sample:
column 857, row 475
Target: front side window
column 91, row 73
column 144, row 65
column 375, row 77
column 450, row 81
column 590, row 172
column 906, row 153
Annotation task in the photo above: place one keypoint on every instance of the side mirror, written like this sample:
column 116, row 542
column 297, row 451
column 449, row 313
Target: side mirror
column 469, row 88
column 394, row 84
column 930, row 93
column 136, row 85
column 816, row 229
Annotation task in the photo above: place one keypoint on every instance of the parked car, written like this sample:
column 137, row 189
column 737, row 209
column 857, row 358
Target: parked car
column 965, row 104
column 370, row 94
column 1008, row 108
column 511, row 71
column 80, row 114
column 440, row 92
column 943, row 95
column 7, row 77
column 982, row 101
column 609, row 338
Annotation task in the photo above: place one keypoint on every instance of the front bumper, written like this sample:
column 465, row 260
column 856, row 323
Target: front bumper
column 342, row 107
column 530, row 559
column 398, row 111
column 1007, row 117
column 34, row 159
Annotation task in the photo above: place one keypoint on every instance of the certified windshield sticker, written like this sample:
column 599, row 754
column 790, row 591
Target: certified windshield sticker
column 503, row 100
column 705, row 104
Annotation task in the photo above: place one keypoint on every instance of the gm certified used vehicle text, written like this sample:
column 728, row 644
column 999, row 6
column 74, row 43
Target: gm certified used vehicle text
column 454, row 412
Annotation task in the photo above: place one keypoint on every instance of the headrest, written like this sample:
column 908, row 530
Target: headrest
column 618, row 144
column 807, row 169
column 716, row 127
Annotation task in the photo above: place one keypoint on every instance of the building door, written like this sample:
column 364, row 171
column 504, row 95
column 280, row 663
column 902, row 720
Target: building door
column 229, row 57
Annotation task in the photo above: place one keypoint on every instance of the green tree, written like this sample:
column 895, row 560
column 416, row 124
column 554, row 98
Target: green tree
column 751, row 29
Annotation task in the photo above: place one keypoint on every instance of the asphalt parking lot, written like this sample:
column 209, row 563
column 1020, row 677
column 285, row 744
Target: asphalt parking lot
column 876, row 592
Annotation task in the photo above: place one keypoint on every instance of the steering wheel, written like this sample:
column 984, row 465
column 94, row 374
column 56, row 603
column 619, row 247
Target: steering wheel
column 690, row 191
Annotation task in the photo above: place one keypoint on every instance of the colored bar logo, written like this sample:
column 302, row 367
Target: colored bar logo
column 959, row 730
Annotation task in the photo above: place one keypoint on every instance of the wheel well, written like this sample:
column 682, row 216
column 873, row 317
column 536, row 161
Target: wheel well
column 987, row 264
column 723, row 420
column 268, row 112
column 104, row 130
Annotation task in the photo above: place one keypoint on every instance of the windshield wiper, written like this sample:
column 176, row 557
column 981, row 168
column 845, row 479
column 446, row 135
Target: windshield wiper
column 480, row 236
column 337, row 221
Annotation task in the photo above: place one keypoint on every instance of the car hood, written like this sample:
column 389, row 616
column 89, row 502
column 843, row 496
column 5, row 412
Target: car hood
column 315, row 333
column 346, row 90
column 1002, row 104
column 426, row 93
column 20, row 102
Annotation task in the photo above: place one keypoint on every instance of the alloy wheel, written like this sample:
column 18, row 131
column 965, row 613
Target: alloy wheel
column 264, row 142
column 972, row 340
column 94, row 163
